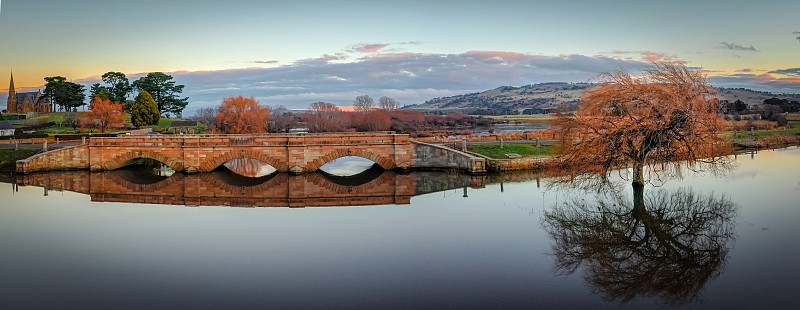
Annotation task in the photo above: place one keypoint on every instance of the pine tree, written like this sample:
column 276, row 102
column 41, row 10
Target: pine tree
column 144, row 110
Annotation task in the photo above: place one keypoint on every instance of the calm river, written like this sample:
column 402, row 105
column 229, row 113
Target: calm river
column 131, row 239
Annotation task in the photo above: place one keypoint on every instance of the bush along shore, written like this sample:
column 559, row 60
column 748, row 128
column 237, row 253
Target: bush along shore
column 9, row 157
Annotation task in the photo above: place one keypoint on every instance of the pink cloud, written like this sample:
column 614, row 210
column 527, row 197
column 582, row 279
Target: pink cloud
column 368, row 48
column 500, row 57
column 647, row 56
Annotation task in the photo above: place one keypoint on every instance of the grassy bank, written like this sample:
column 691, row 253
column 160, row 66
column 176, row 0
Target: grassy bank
column 794, row 130
column 525, row 150
column 9, row 157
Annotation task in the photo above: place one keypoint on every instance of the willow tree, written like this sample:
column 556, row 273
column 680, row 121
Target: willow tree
column 664, row 114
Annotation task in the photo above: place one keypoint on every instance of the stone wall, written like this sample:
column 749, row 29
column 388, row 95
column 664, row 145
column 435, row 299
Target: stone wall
column 430, row 156
column 68, row 158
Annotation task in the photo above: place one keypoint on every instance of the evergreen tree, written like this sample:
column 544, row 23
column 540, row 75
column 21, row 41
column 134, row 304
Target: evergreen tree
column 164, row 91
column 144, row 110
column 62, row 93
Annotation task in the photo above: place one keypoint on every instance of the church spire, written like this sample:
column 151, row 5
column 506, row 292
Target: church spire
column 11, row 91
column 11, row 104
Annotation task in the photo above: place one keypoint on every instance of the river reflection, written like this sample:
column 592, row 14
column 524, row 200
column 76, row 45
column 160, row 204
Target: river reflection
column 130, row 240
column 667, row 244
column 248, row 167
column 373, row 186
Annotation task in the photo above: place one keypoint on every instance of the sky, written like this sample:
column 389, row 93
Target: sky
column 293, row 53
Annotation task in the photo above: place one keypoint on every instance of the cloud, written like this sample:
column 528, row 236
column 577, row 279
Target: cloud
column 367, row 48
column 797, row 32
column 789, row 71
column 372, row 48
column 265, row 61
column 411, row 78
column 646, row 56
column 737, row 47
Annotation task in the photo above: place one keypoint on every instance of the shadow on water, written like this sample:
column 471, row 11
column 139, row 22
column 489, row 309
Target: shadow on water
column 144, row 171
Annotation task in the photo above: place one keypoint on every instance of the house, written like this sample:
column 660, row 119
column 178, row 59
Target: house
column 183, row 126
column 6, row 129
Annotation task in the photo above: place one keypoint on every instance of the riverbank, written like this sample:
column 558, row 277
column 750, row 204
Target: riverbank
column 514, row 157
column 771, row 141
column 9, row 157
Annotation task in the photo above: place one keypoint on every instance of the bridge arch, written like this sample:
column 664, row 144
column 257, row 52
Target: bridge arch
column 213, row 163
column 120, row 160
column 385, row 162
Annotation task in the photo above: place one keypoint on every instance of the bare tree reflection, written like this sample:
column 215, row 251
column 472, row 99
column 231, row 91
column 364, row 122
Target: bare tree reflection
column 667, row 244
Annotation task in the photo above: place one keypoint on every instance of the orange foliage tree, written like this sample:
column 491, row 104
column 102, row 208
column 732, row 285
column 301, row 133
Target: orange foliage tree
column 664, row 114
column 239, row 115
column 103, row 114
column 374, row 121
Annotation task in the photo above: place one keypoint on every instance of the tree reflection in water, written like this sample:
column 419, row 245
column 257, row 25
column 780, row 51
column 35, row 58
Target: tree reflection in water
column 248, row 167
column 666, row 244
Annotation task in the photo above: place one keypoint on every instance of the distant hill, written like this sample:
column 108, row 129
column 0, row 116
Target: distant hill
column 539, row 98
column 750, row 97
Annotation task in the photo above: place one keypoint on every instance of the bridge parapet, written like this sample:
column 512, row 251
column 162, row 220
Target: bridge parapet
column 431, row 156
column 68, row 158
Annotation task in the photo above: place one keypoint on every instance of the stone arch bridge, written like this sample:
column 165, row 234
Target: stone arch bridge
column 293, row 153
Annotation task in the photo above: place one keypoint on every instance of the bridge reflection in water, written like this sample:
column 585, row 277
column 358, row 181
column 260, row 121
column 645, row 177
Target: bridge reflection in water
column 225, row 188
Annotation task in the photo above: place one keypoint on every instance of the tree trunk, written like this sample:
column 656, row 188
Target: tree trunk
column 639, row 211
column 638, row 174
column 638, row 196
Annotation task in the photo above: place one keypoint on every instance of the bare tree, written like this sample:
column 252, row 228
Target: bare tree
column 363, row 103
column 325, row 110
column 206, row 116
column 388, row 104
column 666, row 114
column 280, row 119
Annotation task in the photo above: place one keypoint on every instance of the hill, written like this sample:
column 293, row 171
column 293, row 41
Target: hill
column 538, row 98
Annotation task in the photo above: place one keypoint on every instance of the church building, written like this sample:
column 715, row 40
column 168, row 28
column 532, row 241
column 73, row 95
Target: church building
column 26, row 102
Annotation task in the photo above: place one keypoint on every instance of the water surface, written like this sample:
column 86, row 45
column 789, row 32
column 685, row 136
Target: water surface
column 419, row 240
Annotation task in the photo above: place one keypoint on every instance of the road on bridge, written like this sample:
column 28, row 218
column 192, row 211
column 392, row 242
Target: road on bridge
column 39, row 146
